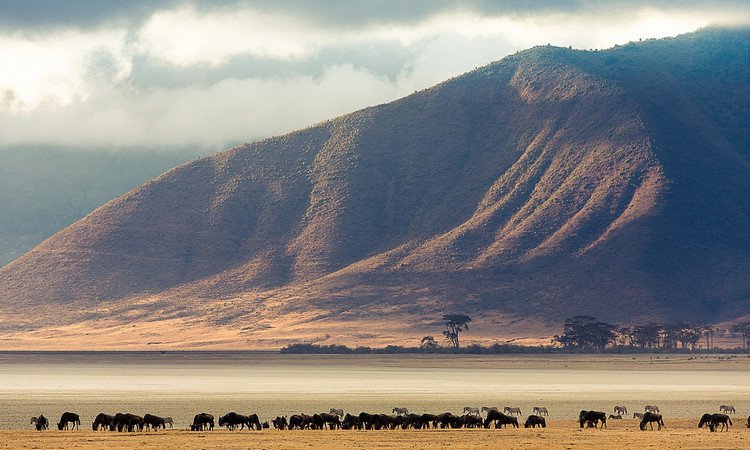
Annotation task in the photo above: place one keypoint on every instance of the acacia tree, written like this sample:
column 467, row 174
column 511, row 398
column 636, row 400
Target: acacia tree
column 709, row 331
column 647, row 335
column 586, row 331
column 428, row 343
column 743, row 329
column 454, row 325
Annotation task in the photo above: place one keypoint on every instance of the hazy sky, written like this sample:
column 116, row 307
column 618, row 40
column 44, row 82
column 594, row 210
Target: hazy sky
column 175, row 73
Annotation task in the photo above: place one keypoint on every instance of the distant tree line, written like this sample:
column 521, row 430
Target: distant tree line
column 589, row 332
column 581, row 334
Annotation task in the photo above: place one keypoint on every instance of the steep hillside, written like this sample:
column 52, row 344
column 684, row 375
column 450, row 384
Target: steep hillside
column 551, row 183
column 43, row 190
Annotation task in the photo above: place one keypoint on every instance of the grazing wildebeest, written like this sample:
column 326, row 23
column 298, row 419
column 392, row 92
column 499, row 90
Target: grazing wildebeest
column 321, row 420
column 400, row 411
column 338, row 411
column 128, row 422
column 472, row 421
column 592, row 418
column 490, row 408
column 170, row 421
column 616, row 417
column 102, row 421
column 232, row 420
column 728, row 409
column 154, row 422
column 651, row 408
column 713, row 421
column 637, row 415
column 620, row 410
column 429, row 421
column 540, row 410
column 299, row 421
column 42, row 423
column 471, row 410
column 412, row 421
column 202, row 421
column 69, row 417
column 649, row 418
column 512, row 410
column 499, row 419
column 448, row 420
column 534, row 421
column 280, row 422
column 350, row 422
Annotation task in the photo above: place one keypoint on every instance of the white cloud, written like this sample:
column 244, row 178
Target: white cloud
column 56, row 70
column 233, row 110
column 74, row 87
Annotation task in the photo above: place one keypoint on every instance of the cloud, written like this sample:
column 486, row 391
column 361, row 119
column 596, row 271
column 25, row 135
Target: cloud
column 177, row 73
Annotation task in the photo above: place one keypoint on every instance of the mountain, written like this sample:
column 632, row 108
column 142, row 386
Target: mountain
column 43, row 190
column 551, row 183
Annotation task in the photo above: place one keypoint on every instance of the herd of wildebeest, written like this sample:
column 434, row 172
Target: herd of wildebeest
column 400, row 418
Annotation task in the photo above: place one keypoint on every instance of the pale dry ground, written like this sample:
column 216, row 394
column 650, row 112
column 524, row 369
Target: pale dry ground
column 681, row 434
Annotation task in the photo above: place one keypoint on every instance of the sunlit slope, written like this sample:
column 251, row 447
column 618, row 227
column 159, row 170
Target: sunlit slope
column 551, row 183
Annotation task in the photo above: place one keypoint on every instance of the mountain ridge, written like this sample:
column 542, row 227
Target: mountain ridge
column 550, row 183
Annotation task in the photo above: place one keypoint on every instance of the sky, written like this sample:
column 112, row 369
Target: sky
column 177, row 73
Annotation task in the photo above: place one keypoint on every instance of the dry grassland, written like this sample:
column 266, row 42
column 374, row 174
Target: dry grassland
column 682, row 434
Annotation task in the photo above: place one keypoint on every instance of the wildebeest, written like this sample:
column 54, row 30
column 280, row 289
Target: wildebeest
column 400, row 411
column 69, row 417
column 232, row 420
column 540, row 410
column 499, row 419
column 319, row 421
column 412, row 421
column 429, row 420
column 338, row 411
column 713, row 420
column 748, row 421
column 728, row 409
column 33, row 420
column 620, row 410
column 534, row 421
column 170, row 421
column 472, row 421
column 299, row 421
column 471, row 410
column 154, row 422
column 637, row 415
column 649, row 418
column 490, row 408
column 128, row 422
column 350, row 422
column 42, row 423
column 202, row 421
column 102, row 421
column 448, row 420
column 592, row 418
column 280, row 423
column 512, row 410
column 651, row 408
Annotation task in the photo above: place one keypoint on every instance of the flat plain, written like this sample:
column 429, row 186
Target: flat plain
column 564, row 434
